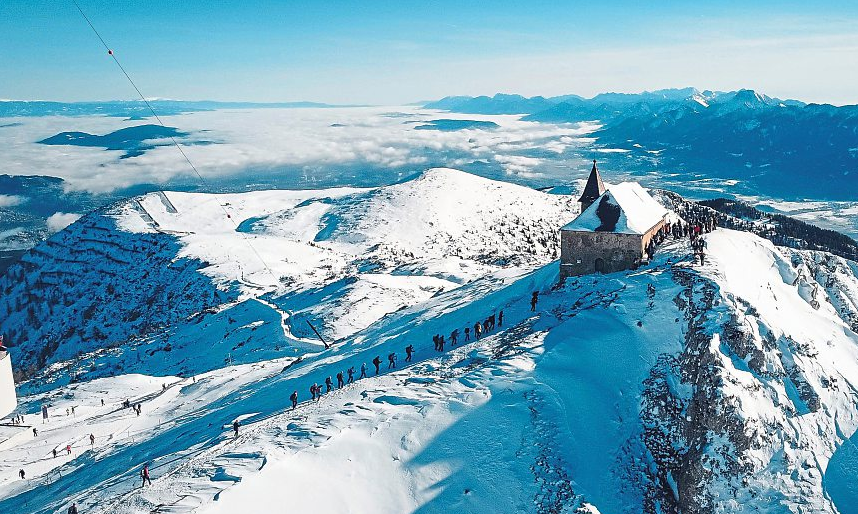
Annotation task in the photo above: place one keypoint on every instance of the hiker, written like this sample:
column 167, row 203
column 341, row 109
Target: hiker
column 363, row 370
column 35, row 432
column 500, row 319
column 391, row 359
column 294, row 398
column 409, row 350
column 21, row 474
column 340, row 382
column 72, row 509
column 351, row 372
column 73, row 411
column 534, row 299
column 486, row 326
column 68, row 449
column 376, row 362
column 467, row 334
column 102, row 404
column 144, row 474
column 454, row 337
column 435, row 340
column 55, row 453
column 492, row 321
column 477, row 330
column 137, row 409
column 235, row 425
column 313, row 392
column 441, row 343
column 92, row 439
column 329, row 384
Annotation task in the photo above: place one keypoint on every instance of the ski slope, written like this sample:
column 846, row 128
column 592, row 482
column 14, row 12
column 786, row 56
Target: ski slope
column 673, row 388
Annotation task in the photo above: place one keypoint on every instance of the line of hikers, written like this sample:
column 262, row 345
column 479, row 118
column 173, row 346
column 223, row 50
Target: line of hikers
column 479, row 329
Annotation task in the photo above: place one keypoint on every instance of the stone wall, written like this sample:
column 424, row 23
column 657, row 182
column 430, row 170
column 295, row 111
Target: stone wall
column 582, row 253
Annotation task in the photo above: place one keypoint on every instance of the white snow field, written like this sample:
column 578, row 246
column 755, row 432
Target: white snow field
column 672, row 388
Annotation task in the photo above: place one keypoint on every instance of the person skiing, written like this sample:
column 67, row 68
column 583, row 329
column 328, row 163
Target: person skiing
column 313, row 392
column 294, row 398
column 467, row 334
column 340, row 382
column 376, row 362
column 351, row 372
column 363, row 370
column 144, row 474
column 329, row 384
column 500, row 319
column 72, row 509
column 534, row 299
column 22, row 474
column 235, row 425
column 409, row 351
column 391, row 359
column 92, row 439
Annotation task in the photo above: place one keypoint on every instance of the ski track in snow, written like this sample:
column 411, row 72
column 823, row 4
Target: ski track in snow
column 541, row 415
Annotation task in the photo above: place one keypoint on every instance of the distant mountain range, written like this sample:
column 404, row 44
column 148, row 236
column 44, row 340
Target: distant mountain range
column 785, row 147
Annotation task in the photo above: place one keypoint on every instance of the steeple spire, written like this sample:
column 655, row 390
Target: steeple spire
column 593, row 190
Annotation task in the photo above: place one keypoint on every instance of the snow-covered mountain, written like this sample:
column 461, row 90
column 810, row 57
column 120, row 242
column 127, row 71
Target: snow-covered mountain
column 672, row 388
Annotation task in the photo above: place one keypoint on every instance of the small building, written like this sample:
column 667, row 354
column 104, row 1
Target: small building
column 613, row 230
column 8, row 400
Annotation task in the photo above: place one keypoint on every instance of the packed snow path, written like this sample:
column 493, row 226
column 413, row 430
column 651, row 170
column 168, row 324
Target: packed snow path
column 657, row 390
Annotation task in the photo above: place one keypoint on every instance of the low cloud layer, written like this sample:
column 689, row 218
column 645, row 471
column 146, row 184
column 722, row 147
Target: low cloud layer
column 266, row 140
column 11, row 200
column 60, row 220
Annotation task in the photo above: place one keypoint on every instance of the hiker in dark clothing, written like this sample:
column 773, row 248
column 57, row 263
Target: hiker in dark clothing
column 294, row 398
column 92, row 439
column 351, row 372
column 376, row 362
column 363, row 370
column 72, row 509
column 409, row 351
column 340, row 382
column 486, row 326
column 500, row 319
column 102, row 404
column 313, row 392
column 329, row 384
column 454, row 337
column 235, row 425
column 467, row 334
column 22, row 474
column 492, row 321
column 35, row 432
column 435, row 339
column 533, row 300
column 477, row 330
column 391, row 360
column 144, row 474
column 55, row 453
column 441, row 343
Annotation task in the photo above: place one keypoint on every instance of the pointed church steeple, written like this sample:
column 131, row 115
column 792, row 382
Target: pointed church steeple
column 593, row 190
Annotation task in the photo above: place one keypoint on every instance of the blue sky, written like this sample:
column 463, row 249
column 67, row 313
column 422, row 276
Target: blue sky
column 396, row 52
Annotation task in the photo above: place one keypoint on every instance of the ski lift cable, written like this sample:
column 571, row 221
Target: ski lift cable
column 173, row 140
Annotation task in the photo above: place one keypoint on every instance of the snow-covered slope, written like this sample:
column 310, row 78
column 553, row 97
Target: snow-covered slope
column 172, row 274
column 673, row 388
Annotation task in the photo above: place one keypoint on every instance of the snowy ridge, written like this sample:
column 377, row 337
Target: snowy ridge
column 673, row 388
